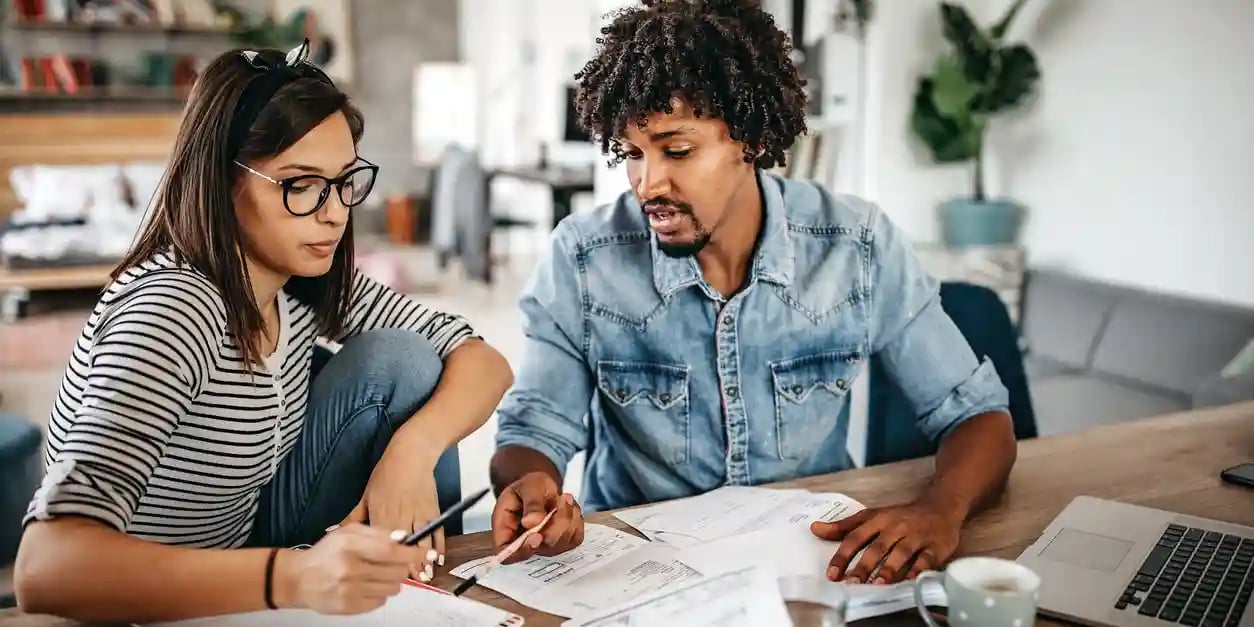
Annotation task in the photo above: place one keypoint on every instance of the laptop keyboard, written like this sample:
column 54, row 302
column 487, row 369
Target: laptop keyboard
column 1194, row 577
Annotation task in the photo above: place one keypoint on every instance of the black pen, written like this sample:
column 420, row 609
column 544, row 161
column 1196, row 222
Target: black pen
column 461, row 506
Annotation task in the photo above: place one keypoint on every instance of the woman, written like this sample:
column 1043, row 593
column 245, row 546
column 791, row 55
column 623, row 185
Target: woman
column 191, row 439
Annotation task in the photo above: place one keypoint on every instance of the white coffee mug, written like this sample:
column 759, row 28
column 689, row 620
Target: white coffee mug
column 984, row 591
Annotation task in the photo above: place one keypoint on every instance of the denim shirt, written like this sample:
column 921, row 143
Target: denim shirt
column 675, row 390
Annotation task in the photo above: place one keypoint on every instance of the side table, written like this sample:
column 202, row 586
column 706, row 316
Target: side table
column 999, row 268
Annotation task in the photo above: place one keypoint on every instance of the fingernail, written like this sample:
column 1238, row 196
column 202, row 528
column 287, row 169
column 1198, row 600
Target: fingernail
column 432, row 555
column 424, row 577
column 428, row 571
column 833, row 573
column 852, row 580
column 879, row 581
column 332, row 528
column 398, row 535
column 570, row 499
column 441, row 560
column 535, row 541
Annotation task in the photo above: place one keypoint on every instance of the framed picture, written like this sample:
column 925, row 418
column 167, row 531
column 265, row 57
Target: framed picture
column 326, row 24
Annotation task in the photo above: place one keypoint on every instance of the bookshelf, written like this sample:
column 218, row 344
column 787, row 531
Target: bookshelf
column 140, row 55
column 110, row 93
column 49, row 26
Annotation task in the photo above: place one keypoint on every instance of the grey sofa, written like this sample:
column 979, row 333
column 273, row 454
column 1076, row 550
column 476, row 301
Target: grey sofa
column 1099, row 354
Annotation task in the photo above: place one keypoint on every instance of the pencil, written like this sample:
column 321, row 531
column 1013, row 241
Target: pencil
column 501, row 556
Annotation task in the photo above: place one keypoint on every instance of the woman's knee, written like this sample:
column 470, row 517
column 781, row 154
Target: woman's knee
column 400, row 364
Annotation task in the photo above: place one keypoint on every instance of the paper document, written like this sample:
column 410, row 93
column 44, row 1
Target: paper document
column 413, row 606
column 747, row 596
column 866, row 601
column 796, row 551
column 607, row 566
column 733, row 510
column 789, row 551
column 641, row 572
column 729, row 530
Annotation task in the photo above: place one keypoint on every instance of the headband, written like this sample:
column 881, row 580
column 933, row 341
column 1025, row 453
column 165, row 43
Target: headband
column 272, row 75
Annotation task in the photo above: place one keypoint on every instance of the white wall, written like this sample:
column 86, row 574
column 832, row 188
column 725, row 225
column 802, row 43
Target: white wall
column 903, row 41
column 1146, row 124
column 524, row 52
column 1134, row 162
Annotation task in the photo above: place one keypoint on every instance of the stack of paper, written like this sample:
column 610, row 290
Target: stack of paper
column 735, row 510
column 608, row 568
column 748, row 596
column 755, row 532
column 415, row 605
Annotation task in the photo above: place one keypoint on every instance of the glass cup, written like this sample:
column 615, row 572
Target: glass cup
column 814, row 601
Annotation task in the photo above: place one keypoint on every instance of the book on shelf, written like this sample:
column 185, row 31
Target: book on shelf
column 160, row 14
column 77, row 75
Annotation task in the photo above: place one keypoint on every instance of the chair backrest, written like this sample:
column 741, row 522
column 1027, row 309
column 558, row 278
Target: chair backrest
column 892, row 434
column 461, row 221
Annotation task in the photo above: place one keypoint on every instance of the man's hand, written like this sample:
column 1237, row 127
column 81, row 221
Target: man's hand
column 523, row 505
column 908, row 539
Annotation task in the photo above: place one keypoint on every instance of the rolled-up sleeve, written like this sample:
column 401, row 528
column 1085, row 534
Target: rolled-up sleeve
column 919, row 345
column 545, row 410
column 143, row 372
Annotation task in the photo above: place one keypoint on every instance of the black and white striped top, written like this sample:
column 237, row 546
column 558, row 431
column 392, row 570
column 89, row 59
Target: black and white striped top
column 160, row 431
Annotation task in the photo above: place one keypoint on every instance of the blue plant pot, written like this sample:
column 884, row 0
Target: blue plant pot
column 967, row 222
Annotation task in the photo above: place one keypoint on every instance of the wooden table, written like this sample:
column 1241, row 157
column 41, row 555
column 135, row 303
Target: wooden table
column 1171, row 462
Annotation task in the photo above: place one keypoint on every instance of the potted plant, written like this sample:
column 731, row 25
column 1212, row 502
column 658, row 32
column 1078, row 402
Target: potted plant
column 982, row 75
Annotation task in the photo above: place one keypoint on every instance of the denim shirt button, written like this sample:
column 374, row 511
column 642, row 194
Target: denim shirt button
column 731, row 392
column 727, row 322
column 796, row 389
column 840, row 383
column 738, row 457
column 620, row 393
column 664, row 397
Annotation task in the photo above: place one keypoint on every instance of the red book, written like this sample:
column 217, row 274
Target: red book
column 64, row 73
column 49, row 76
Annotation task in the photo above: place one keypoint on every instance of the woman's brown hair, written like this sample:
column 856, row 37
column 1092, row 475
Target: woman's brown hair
column 192, row 216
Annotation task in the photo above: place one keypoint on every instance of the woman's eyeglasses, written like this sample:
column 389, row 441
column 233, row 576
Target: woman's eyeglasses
column 306, row 193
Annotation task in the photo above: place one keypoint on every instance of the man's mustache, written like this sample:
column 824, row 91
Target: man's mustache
column 667, row 205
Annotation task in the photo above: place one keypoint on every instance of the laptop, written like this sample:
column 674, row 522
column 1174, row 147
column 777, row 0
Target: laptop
column 1108, row 563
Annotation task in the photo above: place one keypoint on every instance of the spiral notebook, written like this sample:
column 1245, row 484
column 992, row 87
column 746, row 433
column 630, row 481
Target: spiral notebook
column 415, row 605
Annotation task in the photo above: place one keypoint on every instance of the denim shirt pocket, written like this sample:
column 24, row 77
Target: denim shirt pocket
column 652, row 401
column 809, row 393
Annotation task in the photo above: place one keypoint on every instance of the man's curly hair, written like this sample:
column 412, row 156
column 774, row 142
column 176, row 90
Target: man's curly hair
column 726, row 58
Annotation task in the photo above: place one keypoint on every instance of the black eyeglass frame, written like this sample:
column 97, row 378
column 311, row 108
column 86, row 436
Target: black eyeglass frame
column 338, row 182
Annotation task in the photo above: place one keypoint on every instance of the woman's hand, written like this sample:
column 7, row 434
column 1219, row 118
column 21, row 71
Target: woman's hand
column 353, row 570
column 401, row 494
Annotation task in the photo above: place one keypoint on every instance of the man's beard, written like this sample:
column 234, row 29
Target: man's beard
column 681, row 249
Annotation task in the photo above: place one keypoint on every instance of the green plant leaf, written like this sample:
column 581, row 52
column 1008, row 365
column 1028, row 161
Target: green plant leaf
column 1015, row 81
column 972, row 46
column 953, row 93
column 948, row 139
column 998, row 31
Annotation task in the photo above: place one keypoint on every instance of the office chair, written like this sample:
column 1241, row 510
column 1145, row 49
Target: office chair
column 981, row 316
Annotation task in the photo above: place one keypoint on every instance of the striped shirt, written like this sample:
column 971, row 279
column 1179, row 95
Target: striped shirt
column 160, row 431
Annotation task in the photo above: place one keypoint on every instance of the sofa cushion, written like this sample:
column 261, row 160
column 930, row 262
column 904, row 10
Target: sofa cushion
column 1073, row 402
column 1063, row 316
column 1169, row 342
column 20, row 472
column 1038, row 367
column 1220, row 390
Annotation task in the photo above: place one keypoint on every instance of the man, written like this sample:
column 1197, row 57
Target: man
column 710, row 321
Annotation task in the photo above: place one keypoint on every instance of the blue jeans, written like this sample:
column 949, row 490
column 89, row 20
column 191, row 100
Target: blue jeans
column 357, row 400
